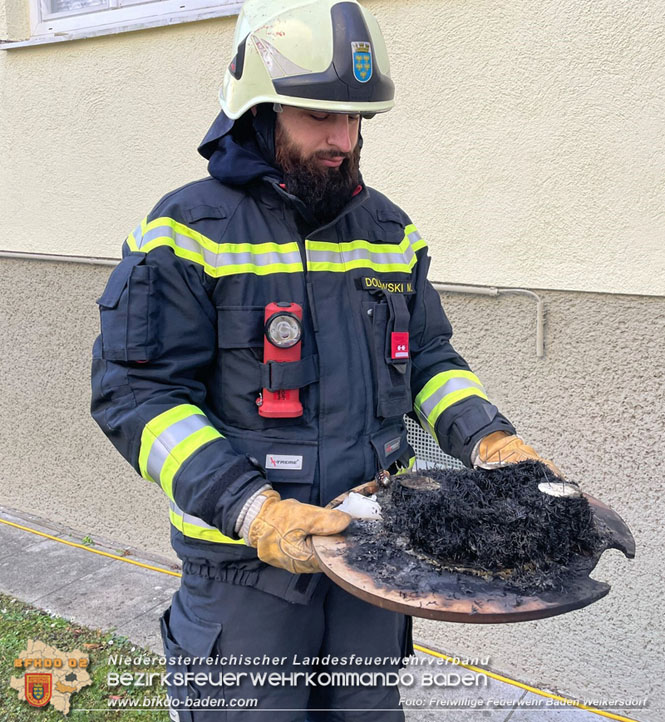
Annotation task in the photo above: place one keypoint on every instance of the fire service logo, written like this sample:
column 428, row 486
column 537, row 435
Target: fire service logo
column 50, row 676
column 38, row 689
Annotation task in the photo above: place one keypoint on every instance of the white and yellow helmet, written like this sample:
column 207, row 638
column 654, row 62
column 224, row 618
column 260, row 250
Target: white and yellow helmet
column 319, row 54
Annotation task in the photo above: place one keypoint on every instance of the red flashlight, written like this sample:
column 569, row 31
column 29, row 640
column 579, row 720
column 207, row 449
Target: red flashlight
column 282, row 344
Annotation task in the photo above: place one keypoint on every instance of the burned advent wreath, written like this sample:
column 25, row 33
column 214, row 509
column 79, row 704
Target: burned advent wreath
column 497, row 525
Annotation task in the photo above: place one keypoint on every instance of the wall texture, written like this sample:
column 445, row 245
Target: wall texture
column 14, row 20
column 527, row 141
column 595, row 404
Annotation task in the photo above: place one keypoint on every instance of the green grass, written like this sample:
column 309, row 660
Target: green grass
column 20, row 622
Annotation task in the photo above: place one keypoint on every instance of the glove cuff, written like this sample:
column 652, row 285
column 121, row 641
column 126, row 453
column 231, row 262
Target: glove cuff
column 248, row 513
column 476, row 461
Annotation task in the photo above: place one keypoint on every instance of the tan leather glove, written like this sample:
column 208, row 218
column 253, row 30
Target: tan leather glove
column 281, row 532
column 501, row 448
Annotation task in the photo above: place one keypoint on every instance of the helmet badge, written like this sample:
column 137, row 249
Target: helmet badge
column 362, row 61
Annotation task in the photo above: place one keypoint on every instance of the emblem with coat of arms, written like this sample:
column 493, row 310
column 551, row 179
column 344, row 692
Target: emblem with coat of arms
column 362, row 61
column 38, row 688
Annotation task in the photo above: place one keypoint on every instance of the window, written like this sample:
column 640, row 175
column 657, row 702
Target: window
column 55, row 20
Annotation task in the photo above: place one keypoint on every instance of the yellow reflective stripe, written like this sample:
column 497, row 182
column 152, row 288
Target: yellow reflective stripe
column 179, row 454
column 182, row 229
column 156, row 426
column 226, row 270
column 382, row 257
column 217, row 259
column 442, row 391
column 358, row 254
column 341, row 267
column 407, row 468
column 205, row 242
column 180, row 252
column 131, row 242
column 196, row 532
column 354, row 245
column 436, row 382
column 449, row 400
column 134, row 238
column 262, row 259
column 256, row 270
column 417, row 244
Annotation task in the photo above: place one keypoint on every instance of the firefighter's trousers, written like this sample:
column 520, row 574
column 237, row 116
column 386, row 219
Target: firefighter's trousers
column 257, row 652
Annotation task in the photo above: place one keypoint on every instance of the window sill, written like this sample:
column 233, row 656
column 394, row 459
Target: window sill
column 187, row 16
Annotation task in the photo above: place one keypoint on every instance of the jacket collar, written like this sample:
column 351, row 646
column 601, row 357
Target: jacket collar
column 360, row 195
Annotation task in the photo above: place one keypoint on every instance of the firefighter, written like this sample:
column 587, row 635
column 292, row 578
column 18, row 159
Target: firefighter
column 262, row 339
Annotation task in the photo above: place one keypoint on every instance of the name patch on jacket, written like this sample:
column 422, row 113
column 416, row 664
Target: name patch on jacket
column 371, row 283
column 280, row 461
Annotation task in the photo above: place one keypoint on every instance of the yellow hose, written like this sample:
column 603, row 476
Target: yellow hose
column 88, row 549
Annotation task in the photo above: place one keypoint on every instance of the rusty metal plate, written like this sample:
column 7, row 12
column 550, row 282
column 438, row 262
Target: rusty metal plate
column 468, row 598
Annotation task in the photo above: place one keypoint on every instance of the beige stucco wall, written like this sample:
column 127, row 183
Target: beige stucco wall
column 14, row 20
column 595, row 404
column 527, row 141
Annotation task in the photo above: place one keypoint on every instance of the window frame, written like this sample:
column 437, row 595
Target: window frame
column 122, row 16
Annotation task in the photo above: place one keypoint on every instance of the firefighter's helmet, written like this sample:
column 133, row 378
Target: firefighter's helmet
column 317, row 54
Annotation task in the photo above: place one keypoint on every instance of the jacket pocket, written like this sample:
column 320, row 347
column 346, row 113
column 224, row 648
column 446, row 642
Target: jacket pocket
column 129, row 312
column 391, row 447
column 240, row 353
column 242, row 376
column 392, row 377
column 290, row 466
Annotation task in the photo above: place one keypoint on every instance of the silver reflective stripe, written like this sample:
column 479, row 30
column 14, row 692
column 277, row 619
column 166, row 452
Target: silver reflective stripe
column 414, row 237
column 181, row 240
column 188, row 518
column 170, row 438
column 360, row 254
column 217, row 260
column 323, row 256
column 427, row 406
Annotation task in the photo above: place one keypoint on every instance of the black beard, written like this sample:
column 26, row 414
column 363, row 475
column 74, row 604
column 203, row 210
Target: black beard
column 325, row 191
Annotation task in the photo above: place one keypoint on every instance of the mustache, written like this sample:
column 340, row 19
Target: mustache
column 332, row 155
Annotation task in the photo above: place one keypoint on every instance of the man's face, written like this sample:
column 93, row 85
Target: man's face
column 325, row 138
column 320, row 155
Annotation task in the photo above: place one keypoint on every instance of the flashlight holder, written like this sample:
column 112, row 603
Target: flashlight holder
column 287, row 319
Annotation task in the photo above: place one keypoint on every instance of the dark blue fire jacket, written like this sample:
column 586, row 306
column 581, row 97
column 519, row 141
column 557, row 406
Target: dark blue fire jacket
column 178, row 366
